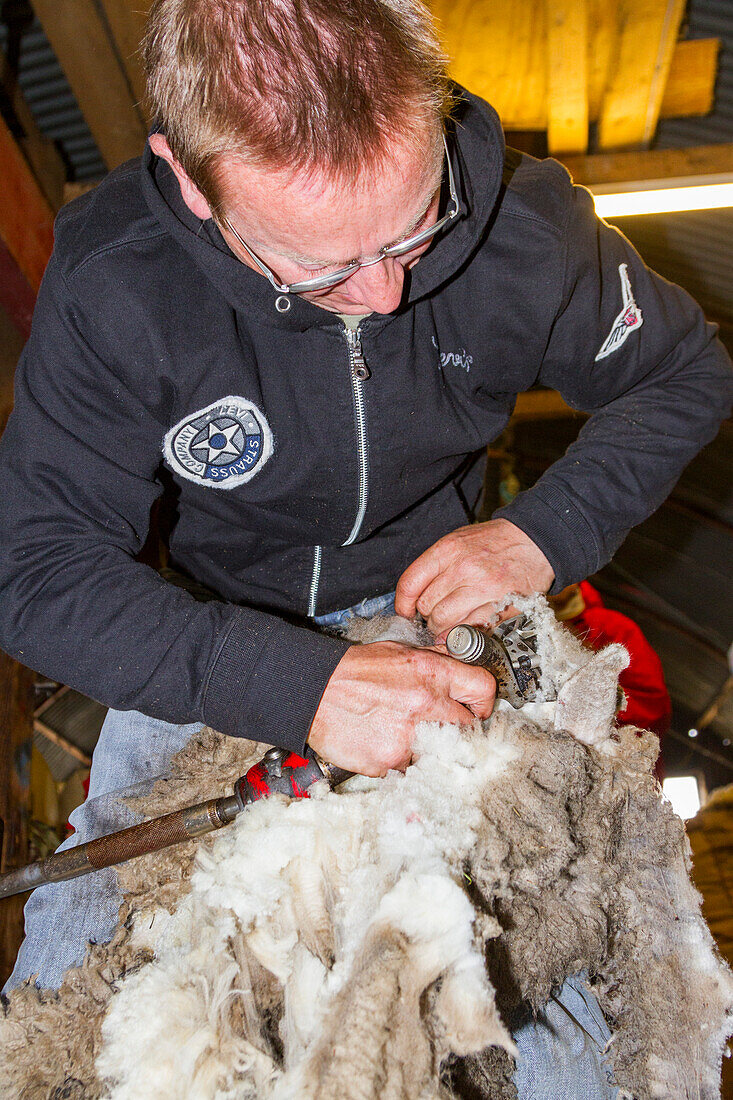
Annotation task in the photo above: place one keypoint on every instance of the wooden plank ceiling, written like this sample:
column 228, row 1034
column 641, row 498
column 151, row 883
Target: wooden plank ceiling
column 557, row 64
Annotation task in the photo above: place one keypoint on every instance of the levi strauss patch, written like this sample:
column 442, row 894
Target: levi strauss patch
column 629, row 318
column 221, row 446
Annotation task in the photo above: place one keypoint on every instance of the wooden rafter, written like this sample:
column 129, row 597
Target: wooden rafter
column 567, row 76
column 62, row 742
column 498, row 50
column 126, row 21
column 634, row 93
column 15, row 734
column 691, row 82
column 40, row 152
column 656, row 164
column 542, row 405
column 26, row 233
column 81, row 39
column 603, row 37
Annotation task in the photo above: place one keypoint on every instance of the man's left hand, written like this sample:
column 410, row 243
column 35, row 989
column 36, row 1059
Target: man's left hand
column 463, row 576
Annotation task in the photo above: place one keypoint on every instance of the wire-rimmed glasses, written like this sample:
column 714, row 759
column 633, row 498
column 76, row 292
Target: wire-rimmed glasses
column 332, row 278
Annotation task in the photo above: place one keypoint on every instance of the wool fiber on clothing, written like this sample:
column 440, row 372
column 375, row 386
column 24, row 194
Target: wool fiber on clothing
column 374, row 943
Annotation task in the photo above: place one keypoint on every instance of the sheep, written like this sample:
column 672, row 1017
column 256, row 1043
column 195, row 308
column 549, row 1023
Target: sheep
column 376, row 942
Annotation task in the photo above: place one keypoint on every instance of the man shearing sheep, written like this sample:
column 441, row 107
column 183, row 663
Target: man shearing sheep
column 301, row 317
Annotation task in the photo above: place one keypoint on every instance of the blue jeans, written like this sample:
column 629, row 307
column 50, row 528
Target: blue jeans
column 560, row 1052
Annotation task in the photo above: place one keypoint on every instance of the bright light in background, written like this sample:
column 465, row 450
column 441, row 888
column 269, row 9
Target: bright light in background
column 665, row 200
column 713, row 192
column 683, row 793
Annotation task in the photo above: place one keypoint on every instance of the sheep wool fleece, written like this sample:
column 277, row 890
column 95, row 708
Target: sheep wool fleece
column 159, row 364
column 375, row 943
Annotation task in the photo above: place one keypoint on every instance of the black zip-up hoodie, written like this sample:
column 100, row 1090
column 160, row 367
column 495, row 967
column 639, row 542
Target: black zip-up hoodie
column 158, row 360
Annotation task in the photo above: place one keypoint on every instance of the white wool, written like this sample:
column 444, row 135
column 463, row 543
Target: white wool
column 322, row 896
column 587, row 701
column 388, row 855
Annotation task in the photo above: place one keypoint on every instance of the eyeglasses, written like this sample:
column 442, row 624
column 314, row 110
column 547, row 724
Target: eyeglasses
column 321, row 282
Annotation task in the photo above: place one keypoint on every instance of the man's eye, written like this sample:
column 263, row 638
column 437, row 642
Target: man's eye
column 416, row 228
column 317, row 270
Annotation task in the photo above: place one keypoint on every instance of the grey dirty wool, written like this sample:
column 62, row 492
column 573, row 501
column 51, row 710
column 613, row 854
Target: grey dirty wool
column 376, row 942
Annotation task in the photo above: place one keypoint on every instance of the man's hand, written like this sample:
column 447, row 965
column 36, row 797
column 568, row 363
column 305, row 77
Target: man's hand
column 461, row 577
column 378, row 694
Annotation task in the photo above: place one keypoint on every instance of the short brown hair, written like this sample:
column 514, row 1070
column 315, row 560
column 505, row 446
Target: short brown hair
column 291, row 83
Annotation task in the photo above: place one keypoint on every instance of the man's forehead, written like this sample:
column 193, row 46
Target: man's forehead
column 312, row 216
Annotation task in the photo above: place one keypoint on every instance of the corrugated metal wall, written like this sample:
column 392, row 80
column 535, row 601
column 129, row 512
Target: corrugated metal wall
column 47, row 92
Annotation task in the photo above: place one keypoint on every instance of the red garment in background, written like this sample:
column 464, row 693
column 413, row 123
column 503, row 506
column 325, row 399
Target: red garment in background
column 648, row 704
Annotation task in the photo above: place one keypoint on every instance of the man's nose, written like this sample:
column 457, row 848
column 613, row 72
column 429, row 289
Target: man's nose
column 379, row 287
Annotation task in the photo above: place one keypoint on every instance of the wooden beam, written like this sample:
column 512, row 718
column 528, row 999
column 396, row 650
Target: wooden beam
column 40, row 152
column 26, row 233
column 78, row 187
column 542, row 405
column 26, row 219
column 498, row 50
column 633, row 98
column 53, row 698
column 62, row 742
column 567, row 76
column 16, row 730
column 126, row 20
column 691, row 83
column 656, row 164
column 81, row 40
column 604, row 31
column 17, row 297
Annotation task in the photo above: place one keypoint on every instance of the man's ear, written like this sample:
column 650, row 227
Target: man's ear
column 190, row 193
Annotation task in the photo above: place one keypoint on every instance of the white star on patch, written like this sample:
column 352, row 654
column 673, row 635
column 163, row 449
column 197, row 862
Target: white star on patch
column 228, row 449
column 629, row 318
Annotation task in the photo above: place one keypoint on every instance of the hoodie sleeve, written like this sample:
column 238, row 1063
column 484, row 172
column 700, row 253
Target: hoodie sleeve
column 636, row 353
column 79, row 459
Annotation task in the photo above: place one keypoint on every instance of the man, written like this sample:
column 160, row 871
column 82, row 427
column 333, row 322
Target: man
column 302, row 317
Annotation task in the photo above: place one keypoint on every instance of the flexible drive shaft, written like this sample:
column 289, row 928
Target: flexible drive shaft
column 105, row 851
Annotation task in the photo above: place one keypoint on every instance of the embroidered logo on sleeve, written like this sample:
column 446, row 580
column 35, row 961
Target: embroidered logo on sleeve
column 221, row 446
column 629, row 318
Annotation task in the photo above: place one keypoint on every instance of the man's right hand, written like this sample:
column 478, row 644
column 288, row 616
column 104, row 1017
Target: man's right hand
column 377, row 695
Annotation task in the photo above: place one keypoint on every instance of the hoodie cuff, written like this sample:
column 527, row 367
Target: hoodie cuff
column 554, row 523
column 268, row 679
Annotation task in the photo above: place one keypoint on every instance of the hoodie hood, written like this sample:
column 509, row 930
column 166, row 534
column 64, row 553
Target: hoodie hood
column 476, row 148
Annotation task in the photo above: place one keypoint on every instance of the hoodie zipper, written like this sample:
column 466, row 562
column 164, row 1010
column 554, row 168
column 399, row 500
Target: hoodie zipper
column 315, row 579
column 359, row 373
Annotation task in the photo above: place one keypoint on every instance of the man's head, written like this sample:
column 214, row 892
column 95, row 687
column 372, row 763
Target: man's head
column 312, row 126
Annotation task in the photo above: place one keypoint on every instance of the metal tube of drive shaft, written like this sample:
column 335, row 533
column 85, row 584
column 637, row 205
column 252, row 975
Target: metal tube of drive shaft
column 105, row 851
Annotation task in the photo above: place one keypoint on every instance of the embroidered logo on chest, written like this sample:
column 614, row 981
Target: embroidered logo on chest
column 629, row 318
column 221, row 446
column 459, row 358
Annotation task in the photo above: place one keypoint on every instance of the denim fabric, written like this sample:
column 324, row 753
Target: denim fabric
column 560, row 1052
column 367, row 609
column 132, row 752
